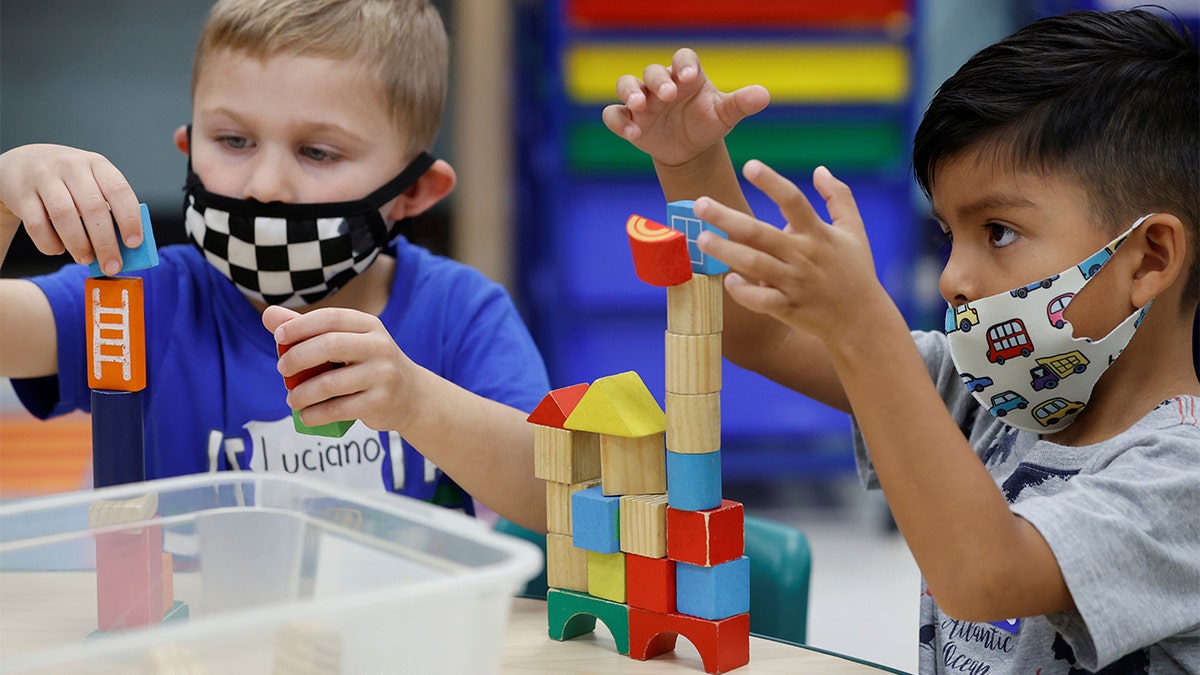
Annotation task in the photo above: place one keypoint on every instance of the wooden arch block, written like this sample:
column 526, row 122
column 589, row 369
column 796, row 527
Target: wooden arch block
column 572, row 614
column 723, row 645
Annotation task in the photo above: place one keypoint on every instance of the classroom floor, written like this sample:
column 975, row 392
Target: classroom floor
column 864, row 587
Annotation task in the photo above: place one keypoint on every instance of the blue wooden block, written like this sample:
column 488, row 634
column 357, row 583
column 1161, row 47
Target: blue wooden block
column 143, row 257
column 713, row 593
column 693, row 481
column 596, row 521
column 681, row 217
column 118, row 448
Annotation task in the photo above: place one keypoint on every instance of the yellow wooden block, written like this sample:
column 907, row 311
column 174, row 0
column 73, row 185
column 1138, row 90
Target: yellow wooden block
column 606, row 575
column 644, row 525
column 693, row 363
column 105, row 512
column 693, row 423
column 633, row 466
column 798, row 73
column 565, row 456
column 558, row 504
column 695, row 307
column 619, row 405
column 566, row 565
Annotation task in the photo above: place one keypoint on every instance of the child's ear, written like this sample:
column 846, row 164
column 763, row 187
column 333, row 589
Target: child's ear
column 1163, row 251
column 429, row 189
column 181, row 139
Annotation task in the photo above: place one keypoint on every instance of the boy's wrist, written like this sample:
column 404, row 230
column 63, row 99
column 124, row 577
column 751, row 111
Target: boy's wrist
column 694, row 177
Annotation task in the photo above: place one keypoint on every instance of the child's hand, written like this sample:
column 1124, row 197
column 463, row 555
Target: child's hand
column 813, row 276
column 68, row 200
column 374, row 380
column 674, row 112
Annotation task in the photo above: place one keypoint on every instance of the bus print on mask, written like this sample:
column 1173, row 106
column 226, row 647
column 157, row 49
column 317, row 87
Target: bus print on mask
column 1038, row 375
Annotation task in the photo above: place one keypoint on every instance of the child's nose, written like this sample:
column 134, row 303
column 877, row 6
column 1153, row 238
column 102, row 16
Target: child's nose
column 958, row 283
column 269, row 181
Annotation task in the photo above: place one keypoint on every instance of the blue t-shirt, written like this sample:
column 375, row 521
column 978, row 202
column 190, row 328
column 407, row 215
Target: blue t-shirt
column 213, row 393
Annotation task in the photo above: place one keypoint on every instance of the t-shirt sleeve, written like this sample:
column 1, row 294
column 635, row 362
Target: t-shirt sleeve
column 1127, row 540
column 56, row 395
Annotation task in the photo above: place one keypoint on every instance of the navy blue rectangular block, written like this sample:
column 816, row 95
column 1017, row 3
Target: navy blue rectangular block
column 118, row 447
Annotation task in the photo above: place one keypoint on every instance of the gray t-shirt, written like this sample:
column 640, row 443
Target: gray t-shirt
column 1123, row 520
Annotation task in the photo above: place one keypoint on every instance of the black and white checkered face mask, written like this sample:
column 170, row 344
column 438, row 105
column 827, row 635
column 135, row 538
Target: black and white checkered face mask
column 292, row 254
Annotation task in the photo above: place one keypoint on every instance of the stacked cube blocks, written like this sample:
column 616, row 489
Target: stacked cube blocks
column 639, row 535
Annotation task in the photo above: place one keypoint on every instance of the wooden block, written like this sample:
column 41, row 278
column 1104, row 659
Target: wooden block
column 558, row 504
column 168, row 582
column 619, row 405
column 329, row 429
column 105, row 512
column 633, row 466
column 566, row 564
column 693, row 422
column 141, row 257
column 696, row 307
column 650, row 583
column 116, row 333
column 693, row 364
column 681, row 218
column 694, row 481
column 557, row 405
column 307, row 649
column 715, row 592
column 572, row 614
column 172, row 659
column 706, row 538
column 129, row 579
column 292, row 381
column 118, row 448
column 595, row 520
column 723, row 645
column 660, row 254
column 606, row 575
column 644, row 525
column 565, row 456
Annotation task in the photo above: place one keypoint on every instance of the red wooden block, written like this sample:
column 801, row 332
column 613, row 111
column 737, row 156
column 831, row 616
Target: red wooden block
column 660, row 254
column 116, row 333
column 709, row 537
column 723, row 645
column 168, row 581
column 557, row 406
column 129, row 579
column 650, row 583
column 293, row 380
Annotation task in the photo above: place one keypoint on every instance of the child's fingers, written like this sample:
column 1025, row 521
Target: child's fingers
column 32, row 213
column 121, row 201
column 794, row 206
column 275, row 316
column 631, row 92
column 760, row 298
column 64, row 219
column 659, row 82
column 685, row 65
column 744, row 102
column 839, row 200
column 753, row 247
column 619, row 120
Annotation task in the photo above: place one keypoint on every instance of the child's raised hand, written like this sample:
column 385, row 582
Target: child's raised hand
column 674, row 112
column 817, row 277
column 373, row 380
column 68, row 199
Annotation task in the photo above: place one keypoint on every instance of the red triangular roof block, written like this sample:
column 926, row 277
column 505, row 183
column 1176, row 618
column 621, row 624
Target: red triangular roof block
column 557, row 406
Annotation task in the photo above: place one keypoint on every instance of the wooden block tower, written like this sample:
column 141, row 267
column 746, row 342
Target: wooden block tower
column 650, row 547
column 133, row 573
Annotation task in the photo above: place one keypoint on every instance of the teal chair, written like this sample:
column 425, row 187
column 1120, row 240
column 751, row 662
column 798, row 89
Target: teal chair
column 780, row 571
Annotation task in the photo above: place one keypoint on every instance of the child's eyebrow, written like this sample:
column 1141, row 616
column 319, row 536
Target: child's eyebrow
column 985, row 203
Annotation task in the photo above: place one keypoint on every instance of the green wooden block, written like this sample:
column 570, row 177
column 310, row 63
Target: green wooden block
column 332, row 430
column 571, row 614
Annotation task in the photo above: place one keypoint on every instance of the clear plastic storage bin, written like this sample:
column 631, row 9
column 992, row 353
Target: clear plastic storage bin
column 266, row 574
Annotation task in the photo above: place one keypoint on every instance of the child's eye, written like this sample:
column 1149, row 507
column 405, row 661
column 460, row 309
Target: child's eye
column 234, row 142
column 317, row 154
column 1000, row 235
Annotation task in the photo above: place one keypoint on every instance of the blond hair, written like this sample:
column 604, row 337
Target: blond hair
column 403, row 41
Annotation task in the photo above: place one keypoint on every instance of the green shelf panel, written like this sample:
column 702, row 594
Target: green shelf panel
column 856, row 145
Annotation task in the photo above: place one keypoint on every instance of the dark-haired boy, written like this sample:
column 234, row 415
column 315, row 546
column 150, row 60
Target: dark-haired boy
column 1053, row 513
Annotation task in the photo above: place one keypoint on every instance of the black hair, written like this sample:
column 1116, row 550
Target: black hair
column 1109, row 99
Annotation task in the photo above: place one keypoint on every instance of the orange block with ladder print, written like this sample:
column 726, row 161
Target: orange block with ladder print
column 116, row 334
